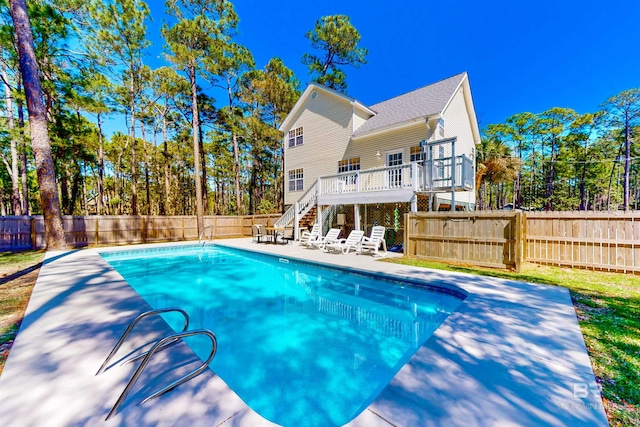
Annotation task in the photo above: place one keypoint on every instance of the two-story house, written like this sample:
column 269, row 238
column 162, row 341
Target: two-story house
column 353, row 166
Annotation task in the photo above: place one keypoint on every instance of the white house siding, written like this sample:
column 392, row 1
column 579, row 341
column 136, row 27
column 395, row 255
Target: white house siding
column 327, row 126
column 457, row 123
column 367, row 147
column 359, row 118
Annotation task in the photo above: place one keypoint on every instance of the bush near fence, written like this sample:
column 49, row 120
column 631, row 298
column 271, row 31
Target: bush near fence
column 607, row 241
column 27, row 232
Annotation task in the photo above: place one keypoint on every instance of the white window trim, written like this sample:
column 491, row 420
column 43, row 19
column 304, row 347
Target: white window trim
column 295, row 137
column 387, row 153
column 295, row 180
column 350, row 165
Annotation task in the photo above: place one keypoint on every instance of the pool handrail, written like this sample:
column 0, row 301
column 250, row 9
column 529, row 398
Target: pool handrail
column 201, row 240
column 164, row 342
column 130, row 327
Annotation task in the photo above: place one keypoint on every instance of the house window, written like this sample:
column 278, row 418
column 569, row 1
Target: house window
column 296, row 180
column 349, row 165
column 416, row 154
column 394, row 176
column 295, row 137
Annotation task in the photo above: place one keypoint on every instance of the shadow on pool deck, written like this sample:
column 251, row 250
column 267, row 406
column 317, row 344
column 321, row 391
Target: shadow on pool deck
column 512, row 354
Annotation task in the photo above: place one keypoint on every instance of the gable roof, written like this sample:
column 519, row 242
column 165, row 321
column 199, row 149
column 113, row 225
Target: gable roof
column 317, row 86
column 418, row 104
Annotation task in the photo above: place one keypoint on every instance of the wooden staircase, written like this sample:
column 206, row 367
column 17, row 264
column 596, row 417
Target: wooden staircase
column 307, row 221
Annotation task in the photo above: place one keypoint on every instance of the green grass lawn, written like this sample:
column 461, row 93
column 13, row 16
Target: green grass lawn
column 608, row 310
column 18, row 273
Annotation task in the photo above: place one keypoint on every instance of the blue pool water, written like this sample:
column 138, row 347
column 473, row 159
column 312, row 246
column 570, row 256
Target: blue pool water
column 301, row 344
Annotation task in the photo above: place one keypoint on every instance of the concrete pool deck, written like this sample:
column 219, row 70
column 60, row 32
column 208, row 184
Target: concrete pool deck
column 512, row 354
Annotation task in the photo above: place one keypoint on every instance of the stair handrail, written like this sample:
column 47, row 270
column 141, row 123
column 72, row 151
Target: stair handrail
column 166, row 341
column 304, row 205
column 286, row 217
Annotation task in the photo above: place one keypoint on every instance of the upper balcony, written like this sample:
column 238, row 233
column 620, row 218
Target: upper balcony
column 397, row 183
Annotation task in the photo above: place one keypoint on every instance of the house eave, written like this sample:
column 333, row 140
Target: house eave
column 307, row 93
column 468, row 100
column 396, row 126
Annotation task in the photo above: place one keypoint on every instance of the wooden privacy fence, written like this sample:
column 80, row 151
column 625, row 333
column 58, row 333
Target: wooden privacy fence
column 27, row 232
column 598, row 240
column 492, row 239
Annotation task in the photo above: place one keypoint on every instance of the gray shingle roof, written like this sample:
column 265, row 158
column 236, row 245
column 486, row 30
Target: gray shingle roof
column 423, row 102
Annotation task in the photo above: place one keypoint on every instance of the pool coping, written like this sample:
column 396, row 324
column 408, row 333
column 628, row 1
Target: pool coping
column 512, row 354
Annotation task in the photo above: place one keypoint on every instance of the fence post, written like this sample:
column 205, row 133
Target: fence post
column 406, row 233
column 521, row 239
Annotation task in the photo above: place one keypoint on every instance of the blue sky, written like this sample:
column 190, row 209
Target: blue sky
column 520, row 55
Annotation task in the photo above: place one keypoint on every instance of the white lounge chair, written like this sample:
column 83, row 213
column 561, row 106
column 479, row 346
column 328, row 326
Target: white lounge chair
column 310, row 236
column 345, row 245
column 332, row 236
column 374, row 241
column 257, row 233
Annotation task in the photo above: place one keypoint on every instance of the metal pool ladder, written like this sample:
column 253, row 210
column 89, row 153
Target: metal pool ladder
column 203, row 239
column 159, row 345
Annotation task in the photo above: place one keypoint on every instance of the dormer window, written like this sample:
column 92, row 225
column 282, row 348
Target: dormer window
column 295, row 137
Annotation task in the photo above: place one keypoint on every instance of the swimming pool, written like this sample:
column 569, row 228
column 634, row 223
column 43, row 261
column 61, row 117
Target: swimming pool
column 301, row 344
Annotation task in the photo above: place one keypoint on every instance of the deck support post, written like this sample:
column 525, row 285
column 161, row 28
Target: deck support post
column 453, row 175
column 296, row 221
column 356, row 216
column 414, row 203
column 318, row 207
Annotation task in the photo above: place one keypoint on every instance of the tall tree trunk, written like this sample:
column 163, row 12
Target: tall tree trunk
column 54, row 232
column 3, row 208
column 64, row 192
column 85, row 196
column 613, row 172
column 236, row 172
column 23, row 156
column 75, row 190
column 167, row 181
column 196, row 147
column 100, row 179
column 583, row 175
column 203, row 160
column 146, row 168
column 518, row 183
column 134, row 175
column 550, row 177
column 14, row 172
column 236, row 151
column 627, row 161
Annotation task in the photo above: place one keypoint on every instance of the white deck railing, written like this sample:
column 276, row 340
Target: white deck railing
column 390, row 178
column 439, row 177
